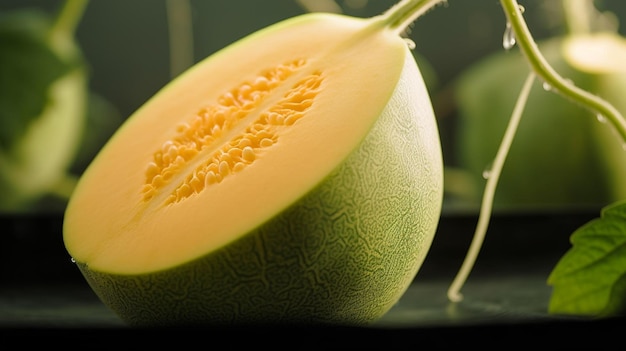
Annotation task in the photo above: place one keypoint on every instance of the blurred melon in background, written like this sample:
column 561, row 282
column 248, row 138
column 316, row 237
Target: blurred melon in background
column 50, row 124
column 564, row 156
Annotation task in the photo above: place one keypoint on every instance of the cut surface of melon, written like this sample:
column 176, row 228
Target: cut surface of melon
column 179, row 155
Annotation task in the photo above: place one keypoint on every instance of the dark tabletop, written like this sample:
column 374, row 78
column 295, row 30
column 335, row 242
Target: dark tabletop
column 505, row 297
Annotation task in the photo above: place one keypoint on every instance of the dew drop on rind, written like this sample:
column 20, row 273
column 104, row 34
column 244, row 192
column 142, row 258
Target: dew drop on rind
column 409, row 43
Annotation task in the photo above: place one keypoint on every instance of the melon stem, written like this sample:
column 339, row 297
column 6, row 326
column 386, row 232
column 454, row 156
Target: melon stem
column 400, row 16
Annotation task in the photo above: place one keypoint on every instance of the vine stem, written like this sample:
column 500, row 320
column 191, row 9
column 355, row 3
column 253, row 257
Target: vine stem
column 489, row 193
column 539, row 67
column 180, row 33
column 64, row 27
column 68, row 18
column 402, row 14
column 538, row 63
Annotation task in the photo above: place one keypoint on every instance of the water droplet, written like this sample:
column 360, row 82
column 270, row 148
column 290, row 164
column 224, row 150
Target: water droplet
column 601, row 118
column 72, row 260
column 546, row 86
column 488, row 170
column 410, row 43
column 521, row 8
column 508, row 39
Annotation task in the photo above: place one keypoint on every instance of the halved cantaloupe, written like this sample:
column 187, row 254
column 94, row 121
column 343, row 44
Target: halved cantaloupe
column 295, row 176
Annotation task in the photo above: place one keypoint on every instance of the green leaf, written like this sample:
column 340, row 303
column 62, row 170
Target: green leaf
column 590, row 279
column 28, row 68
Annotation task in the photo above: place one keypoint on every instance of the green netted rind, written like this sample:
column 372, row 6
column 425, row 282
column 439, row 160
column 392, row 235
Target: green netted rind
column 342, row 254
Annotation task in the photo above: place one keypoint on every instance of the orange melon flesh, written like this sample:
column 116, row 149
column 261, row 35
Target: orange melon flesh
column 110, row 225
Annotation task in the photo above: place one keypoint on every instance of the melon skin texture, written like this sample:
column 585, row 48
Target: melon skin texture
column 341, row 251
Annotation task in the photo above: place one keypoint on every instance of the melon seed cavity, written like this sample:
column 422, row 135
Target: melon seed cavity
column 206, row 129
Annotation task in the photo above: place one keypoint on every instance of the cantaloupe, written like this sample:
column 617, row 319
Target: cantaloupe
column 293, row 177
